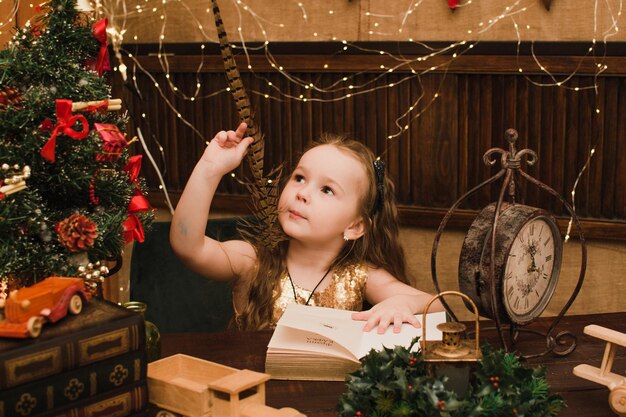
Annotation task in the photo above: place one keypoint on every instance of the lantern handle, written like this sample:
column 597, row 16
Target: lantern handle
column 440, row 295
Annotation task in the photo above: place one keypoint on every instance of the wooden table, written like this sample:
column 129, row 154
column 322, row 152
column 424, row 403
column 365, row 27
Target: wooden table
column 246, row 350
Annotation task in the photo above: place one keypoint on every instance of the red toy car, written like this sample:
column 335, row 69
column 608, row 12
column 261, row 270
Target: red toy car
column 26, row 309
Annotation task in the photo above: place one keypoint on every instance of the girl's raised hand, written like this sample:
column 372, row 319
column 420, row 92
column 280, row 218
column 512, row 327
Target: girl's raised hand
column 226, row 150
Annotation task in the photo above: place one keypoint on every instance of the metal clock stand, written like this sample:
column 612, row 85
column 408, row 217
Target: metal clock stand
column 512, row 174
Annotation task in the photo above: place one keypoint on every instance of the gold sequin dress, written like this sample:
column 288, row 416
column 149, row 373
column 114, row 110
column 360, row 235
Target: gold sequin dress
column 346, row 291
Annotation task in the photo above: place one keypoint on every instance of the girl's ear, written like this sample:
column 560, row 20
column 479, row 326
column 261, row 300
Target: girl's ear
column 355, row 230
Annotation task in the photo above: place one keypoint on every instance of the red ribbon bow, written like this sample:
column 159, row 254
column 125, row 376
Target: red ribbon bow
column 100, row 33
column 114, row 142
column 133, row 229
column 65, row 125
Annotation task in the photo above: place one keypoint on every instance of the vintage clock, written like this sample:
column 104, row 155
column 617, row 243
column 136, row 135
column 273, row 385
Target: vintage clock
column 527, row 262
column 511, row 256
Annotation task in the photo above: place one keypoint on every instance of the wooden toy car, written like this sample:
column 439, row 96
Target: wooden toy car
column 191, row 387
column 603, row 375
column 26, row 309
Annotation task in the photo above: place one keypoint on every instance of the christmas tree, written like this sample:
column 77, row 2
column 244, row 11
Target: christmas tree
column 70, row 194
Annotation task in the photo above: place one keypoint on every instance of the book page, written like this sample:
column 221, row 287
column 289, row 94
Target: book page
column 373, row 340
column 289, row 340
column 333, row 332
column 318, row 329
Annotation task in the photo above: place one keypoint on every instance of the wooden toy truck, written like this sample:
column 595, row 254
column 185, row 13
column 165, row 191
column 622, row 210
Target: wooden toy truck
column 603, row 375
column 191, row 387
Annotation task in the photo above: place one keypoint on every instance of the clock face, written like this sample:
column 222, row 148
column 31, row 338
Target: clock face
column 530, row 275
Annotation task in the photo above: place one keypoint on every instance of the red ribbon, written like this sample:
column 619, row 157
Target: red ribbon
column 100, row 33
column 453, row 4
column 133, row 167
column 102, row 107
column 65, row 125
column 114, row 142
column 133, row 230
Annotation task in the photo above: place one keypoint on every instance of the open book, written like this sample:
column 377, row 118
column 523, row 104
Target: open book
column 318, row 343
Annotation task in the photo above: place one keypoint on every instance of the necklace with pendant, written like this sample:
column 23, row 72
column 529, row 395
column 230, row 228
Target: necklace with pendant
column 293, row 287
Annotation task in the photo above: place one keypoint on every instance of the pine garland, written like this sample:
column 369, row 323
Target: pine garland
column 395, row 383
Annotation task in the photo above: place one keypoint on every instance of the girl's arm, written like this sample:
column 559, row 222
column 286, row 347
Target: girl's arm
column 206, row 256
column 394, row 302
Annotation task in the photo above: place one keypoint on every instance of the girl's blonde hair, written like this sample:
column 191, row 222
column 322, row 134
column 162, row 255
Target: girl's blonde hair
column 379, row 247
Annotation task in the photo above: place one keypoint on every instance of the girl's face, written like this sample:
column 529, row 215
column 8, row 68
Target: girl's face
column 320, row 203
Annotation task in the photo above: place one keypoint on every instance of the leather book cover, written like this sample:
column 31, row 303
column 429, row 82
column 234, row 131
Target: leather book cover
column 102, row 330
column 74, row 385
column 122, row 402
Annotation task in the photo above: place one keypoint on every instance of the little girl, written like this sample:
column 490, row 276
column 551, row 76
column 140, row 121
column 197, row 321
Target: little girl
column 339, row 217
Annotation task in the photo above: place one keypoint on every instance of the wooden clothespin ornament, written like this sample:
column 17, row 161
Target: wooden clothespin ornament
column 113, row 104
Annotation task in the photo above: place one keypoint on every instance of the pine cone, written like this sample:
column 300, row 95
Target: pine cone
column 77, row 233
column 10, row 95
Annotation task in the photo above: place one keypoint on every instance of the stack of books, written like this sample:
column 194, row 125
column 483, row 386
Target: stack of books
column 92, row 365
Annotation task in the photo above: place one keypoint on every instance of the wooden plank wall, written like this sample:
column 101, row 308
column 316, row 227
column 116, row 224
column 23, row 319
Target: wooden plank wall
column 439, row 157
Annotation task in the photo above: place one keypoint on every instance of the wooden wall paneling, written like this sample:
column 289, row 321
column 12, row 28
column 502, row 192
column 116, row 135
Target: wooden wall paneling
column 608, row 156
column 273, row 120
column 486, row 140
column 307, row 123
column 445, row 118
column 463, row 136
column 587, row 137
column 378, row 110
column 152, row 105
column 596, row 140
column 395, row 105
column 388, row 148
column 549, row 134
column 556, row 162
column 531, row 137
column 364, row 125
column 401, row 146
column 521, row 101
column 291, row 125
column 619, row 210
column 416, row 164
column 346, row 115
column 570, row 165
column 499, row 120
column 433, row 160
column 469, row 117
column 474, row 144
column 172, row 125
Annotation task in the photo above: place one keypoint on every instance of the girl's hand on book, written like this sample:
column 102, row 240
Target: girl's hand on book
column 226, row 150
column 391, row 311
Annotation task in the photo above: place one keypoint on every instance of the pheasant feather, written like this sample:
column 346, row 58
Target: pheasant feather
column 263, row 189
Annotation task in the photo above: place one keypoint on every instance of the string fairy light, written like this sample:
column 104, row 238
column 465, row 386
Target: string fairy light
column 341, row 87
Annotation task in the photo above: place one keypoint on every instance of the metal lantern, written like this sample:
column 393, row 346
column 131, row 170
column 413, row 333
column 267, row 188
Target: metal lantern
column 454, row 356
